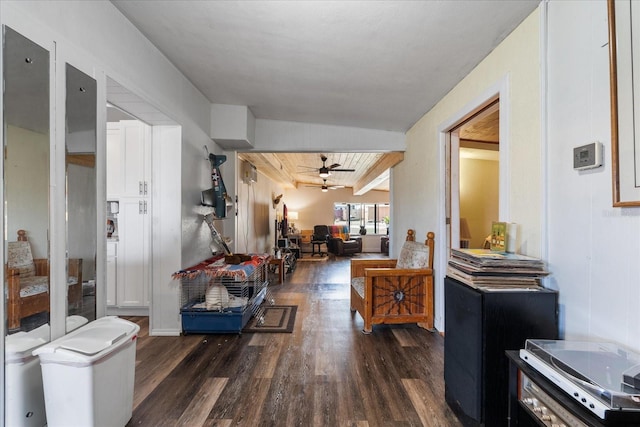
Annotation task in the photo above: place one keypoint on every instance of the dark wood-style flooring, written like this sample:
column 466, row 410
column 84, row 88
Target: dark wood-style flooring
column 325, row 373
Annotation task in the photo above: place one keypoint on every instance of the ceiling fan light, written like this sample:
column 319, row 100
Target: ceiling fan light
column 324, row 172
column 324, row 189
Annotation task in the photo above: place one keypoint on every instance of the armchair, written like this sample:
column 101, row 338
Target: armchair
column 389, row 291
column 28, row 282
column 341, row 243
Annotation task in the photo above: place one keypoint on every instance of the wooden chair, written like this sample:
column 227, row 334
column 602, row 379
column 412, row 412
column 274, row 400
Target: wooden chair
column 390, row 291
column 28, row 282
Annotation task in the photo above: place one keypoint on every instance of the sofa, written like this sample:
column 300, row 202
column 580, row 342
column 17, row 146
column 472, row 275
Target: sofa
column 340, row 243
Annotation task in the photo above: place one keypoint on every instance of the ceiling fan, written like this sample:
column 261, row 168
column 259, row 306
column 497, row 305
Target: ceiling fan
column 325, row 187
column 325, row 171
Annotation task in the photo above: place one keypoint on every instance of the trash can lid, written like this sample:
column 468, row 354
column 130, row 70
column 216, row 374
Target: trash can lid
column 75, row 321
column 89, row 343
column 19, row 345
column 94, row 340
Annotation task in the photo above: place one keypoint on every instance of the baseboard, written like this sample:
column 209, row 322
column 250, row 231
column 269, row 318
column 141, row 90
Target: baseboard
column 127, row 311
column 165, row 333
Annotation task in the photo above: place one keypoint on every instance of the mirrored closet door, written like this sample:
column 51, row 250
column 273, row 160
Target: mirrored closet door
column 26, row 182
column 26, row 189
column 80, row 147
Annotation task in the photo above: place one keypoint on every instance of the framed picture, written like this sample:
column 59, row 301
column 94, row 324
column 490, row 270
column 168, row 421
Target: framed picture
column 624, row 64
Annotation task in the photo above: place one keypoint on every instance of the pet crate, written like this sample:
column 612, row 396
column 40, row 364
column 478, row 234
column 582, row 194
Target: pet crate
column 221, row 298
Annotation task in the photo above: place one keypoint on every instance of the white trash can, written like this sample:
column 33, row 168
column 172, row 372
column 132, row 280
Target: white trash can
column 88, row 374
column 25, row 403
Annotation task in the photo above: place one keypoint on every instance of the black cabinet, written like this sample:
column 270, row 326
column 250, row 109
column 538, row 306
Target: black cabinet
column 479, row 326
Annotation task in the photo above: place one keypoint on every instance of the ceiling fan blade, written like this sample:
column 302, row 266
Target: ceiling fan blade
column 335, row 165
column 343, row 170
column 335, row 187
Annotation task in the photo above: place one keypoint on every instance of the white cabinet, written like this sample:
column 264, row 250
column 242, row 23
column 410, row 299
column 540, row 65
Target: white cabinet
column 133, row 273
column 128, row 159
column 128, row 181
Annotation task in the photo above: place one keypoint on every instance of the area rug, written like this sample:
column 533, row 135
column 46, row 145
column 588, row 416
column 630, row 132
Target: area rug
column 313, row 258
column 274, row 318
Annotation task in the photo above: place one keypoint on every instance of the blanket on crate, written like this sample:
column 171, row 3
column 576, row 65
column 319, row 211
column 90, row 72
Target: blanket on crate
column 216, row 267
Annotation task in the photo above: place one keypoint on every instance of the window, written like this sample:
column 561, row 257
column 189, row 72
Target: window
column 373, row 217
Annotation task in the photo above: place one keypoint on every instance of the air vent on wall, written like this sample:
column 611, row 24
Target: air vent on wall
column 249, row 173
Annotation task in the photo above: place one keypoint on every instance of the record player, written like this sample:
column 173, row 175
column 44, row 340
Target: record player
column 603, row 377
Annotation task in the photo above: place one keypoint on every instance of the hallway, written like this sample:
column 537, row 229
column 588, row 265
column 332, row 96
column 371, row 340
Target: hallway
column 325, row 373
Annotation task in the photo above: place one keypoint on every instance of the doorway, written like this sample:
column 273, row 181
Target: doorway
column 155, row 203
column 478, row 157
column 462, row 145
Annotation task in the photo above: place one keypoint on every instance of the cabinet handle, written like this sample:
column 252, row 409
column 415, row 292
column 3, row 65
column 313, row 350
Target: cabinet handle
column 145, row 207
column 140, row 188
column 140, row 208
column 146, row 189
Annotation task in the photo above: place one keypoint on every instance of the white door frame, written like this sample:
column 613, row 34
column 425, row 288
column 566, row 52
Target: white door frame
column 500, row 90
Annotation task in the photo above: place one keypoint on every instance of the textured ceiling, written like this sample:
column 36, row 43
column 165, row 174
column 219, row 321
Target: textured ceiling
column 370, row 64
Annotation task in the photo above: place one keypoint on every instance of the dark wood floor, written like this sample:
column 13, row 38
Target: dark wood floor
column 325, row 373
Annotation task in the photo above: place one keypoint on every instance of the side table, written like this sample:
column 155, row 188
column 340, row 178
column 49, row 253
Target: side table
column 279, row 263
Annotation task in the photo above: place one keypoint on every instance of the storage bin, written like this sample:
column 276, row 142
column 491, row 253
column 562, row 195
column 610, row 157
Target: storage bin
column 25, row 402
column 88, row 374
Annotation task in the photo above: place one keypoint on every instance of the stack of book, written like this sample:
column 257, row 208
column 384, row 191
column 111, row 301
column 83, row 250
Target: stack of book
column 486, row 268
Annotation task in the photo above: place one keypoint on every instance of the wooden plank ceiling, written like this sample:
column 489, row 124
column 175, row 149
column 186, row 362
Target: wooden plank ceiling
column 293, row 170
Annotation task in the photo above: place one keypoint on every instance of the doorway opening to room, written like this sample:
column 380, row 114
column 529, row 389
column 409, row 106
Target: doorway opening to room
column 473, row 194
column 143, row 183
column 353, row 198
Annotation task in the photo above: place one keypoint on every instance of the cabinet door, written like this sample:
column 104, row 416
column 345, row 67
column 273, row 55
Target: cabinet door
column 134, row 139
column 463, row 347
column 133, row 253
column 112, row 271
column 114, row 161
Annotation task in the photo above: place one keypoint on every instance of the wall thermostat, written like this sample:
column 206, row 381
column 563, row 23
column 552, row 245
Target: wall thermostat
column 587, row 156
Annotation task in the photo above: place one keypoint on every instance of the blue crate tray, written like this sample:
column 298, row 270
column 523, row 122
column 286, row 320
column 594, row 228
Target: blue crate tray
column 232, row 320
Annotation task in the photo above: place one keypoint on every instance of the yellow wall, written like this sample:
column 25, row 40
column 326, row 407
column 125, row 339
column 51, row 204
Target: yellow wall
column 516, row 59
column 478, row 197
column 417, row 200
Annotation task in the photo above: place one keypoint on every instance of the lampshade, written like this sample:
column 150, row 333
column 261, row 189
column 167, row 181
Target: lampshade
column 324, row 189
column 292, row 215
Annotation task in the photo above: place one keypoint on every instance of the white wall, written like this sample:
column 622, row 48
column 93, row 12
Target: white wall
column 284, row 136
column 417, row 195
column 256, row 215
column 594, row 249
column 27, row 188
